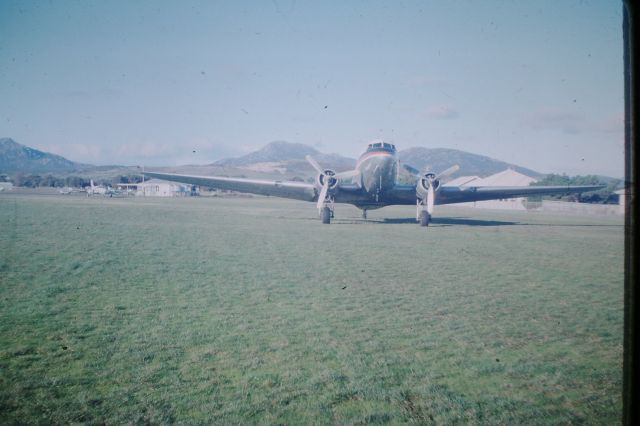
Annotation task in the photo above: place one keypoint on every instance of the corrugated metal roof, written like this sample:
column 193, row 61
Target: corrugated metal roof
column 507, row 177
column 462, row 180
column 155, row 182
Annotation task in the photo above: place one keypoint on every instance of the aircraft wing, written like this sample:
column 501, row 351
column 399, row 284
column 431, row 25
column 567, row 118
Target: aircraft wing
column 463, row 194
column 406, row 194
column 285, row 189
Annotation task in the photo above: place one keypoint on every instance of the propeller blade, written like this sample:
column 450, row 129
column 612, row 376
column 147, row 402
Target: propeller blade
column 411, row 170
column 347, row 174
column 449, row 171
column 323, row 194
column 314, row 163
column 430, row 199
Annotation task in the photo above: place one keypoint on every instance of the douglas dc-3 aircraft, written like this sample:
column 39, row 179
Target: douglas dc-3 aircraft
column 372, row 185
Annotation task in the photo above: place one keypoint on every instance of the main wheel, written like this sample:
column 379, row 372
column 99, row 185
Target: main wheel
column 326, row 215
column 425, row 218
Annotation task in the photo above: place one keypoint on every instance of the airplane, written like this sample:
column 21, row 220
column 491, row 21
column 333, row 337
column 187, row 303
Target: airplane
column 96, row 189
column 69, row 190
column 101, row 190
column 372, row 185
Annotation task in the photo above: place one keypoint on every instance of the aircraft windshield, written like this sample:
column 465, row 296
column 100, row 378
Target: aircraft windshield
column 381, row 145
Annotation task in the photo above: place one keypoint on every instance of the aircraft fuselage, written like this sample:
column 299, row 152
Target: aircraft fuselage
column 378, row 168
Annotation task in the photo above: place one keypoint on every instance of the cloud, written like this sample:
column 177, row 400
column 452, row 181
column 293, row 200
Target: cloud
column 552, row 119
column 573, row 123
column 191, row 151
column 442, row 112
column 78, row 152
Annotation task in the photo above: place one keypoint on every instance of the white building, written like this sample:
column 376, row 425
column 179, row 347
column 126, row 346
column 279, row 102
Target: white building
column 507, row 177
column 158, row 188
column 6, row 186
column 462, row 180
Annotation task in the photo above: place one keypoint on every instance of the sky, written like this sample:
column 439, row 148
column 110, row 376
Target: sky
column 536, row 84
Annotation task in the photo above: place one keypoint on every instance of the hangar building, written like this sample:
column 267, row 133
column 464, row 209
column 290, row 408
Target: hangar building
column 507, row 177
column 159, row 188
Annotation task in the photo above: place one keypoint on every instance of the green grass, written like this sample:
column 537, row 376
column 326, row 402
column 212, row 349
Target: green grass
column 236, row 311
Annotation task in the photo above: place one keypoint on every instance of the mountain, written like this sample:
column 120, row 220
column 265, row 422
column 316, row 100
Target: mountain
column 272, row 152
column 276, row 160
column 287, row 158
column 15, row 157
column 439, row 159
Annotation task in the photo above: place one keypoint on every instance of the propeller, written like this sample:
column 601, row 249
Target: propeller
column 314, row 163
column 411, row 170
column 328, row 178
column 342, row 175
column 430, row 199
column 428, row 183
column 442, row 174
column 323, row 194
column 448, row 171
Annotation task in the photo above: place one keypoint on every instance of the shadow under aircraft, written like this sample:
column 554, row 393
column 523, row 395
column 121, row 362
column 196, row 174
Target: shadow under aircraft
column 372, row 185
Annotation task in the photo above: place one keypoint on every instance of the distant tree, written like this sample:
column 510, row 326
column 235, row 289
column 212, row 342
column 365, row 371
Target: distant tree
column 604, row 196
column 127, row 179
column 75, row 182
column 28, row 181
column 51, row 182
column 18, row 179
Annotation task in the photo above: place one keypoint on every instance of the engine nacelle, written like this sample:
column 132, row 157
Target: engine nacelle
column 327, row 174
column 429, row 179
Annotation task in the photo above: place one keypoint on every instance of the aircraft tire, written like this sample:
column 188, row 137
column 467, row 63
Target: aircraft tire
column 326, row 215
column 424, row 218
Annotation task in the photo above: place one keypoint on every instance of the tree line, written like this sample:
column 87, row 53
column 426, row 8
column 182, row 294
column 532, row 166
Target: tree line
column 605, row 195
column 35, row 180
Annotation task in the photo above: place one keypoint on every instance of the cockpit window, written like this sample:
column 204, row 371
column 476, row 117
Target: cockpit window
column 383, row 145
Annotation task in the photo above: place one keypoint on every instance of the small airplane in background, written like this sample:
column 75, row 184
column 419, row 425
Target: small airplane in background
column 101, row 190
column 70, row 190
column 96, row 189
column 372, row 185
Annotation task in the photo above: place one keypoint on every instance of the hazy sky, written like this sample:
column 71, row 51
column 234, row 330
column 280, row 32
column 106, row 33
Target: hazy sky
column 533, row 83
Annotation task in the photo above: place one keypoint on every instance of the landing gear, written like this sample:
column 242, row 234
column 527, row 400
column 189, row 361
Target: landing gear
column 364, row 214
column 327, row 214
column 423, row 214
column 425, row 218
column 325, row 209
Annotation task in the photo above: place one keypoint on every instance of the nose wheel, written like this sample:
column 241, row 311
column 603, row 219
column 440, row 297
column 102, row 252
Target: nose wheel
column 423, row 214
column 425, row 218
column 327, row 214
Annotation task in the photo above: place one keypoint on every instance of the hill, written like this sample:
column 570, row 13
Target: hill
column 15, row 157
column 276, row 160
column 288, row 158
column 439, row 159
column 286, row 155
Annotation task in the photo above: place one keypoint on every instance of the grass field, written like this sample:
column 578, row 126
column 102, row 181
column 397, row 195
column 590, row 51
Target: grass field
column 236, row 311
